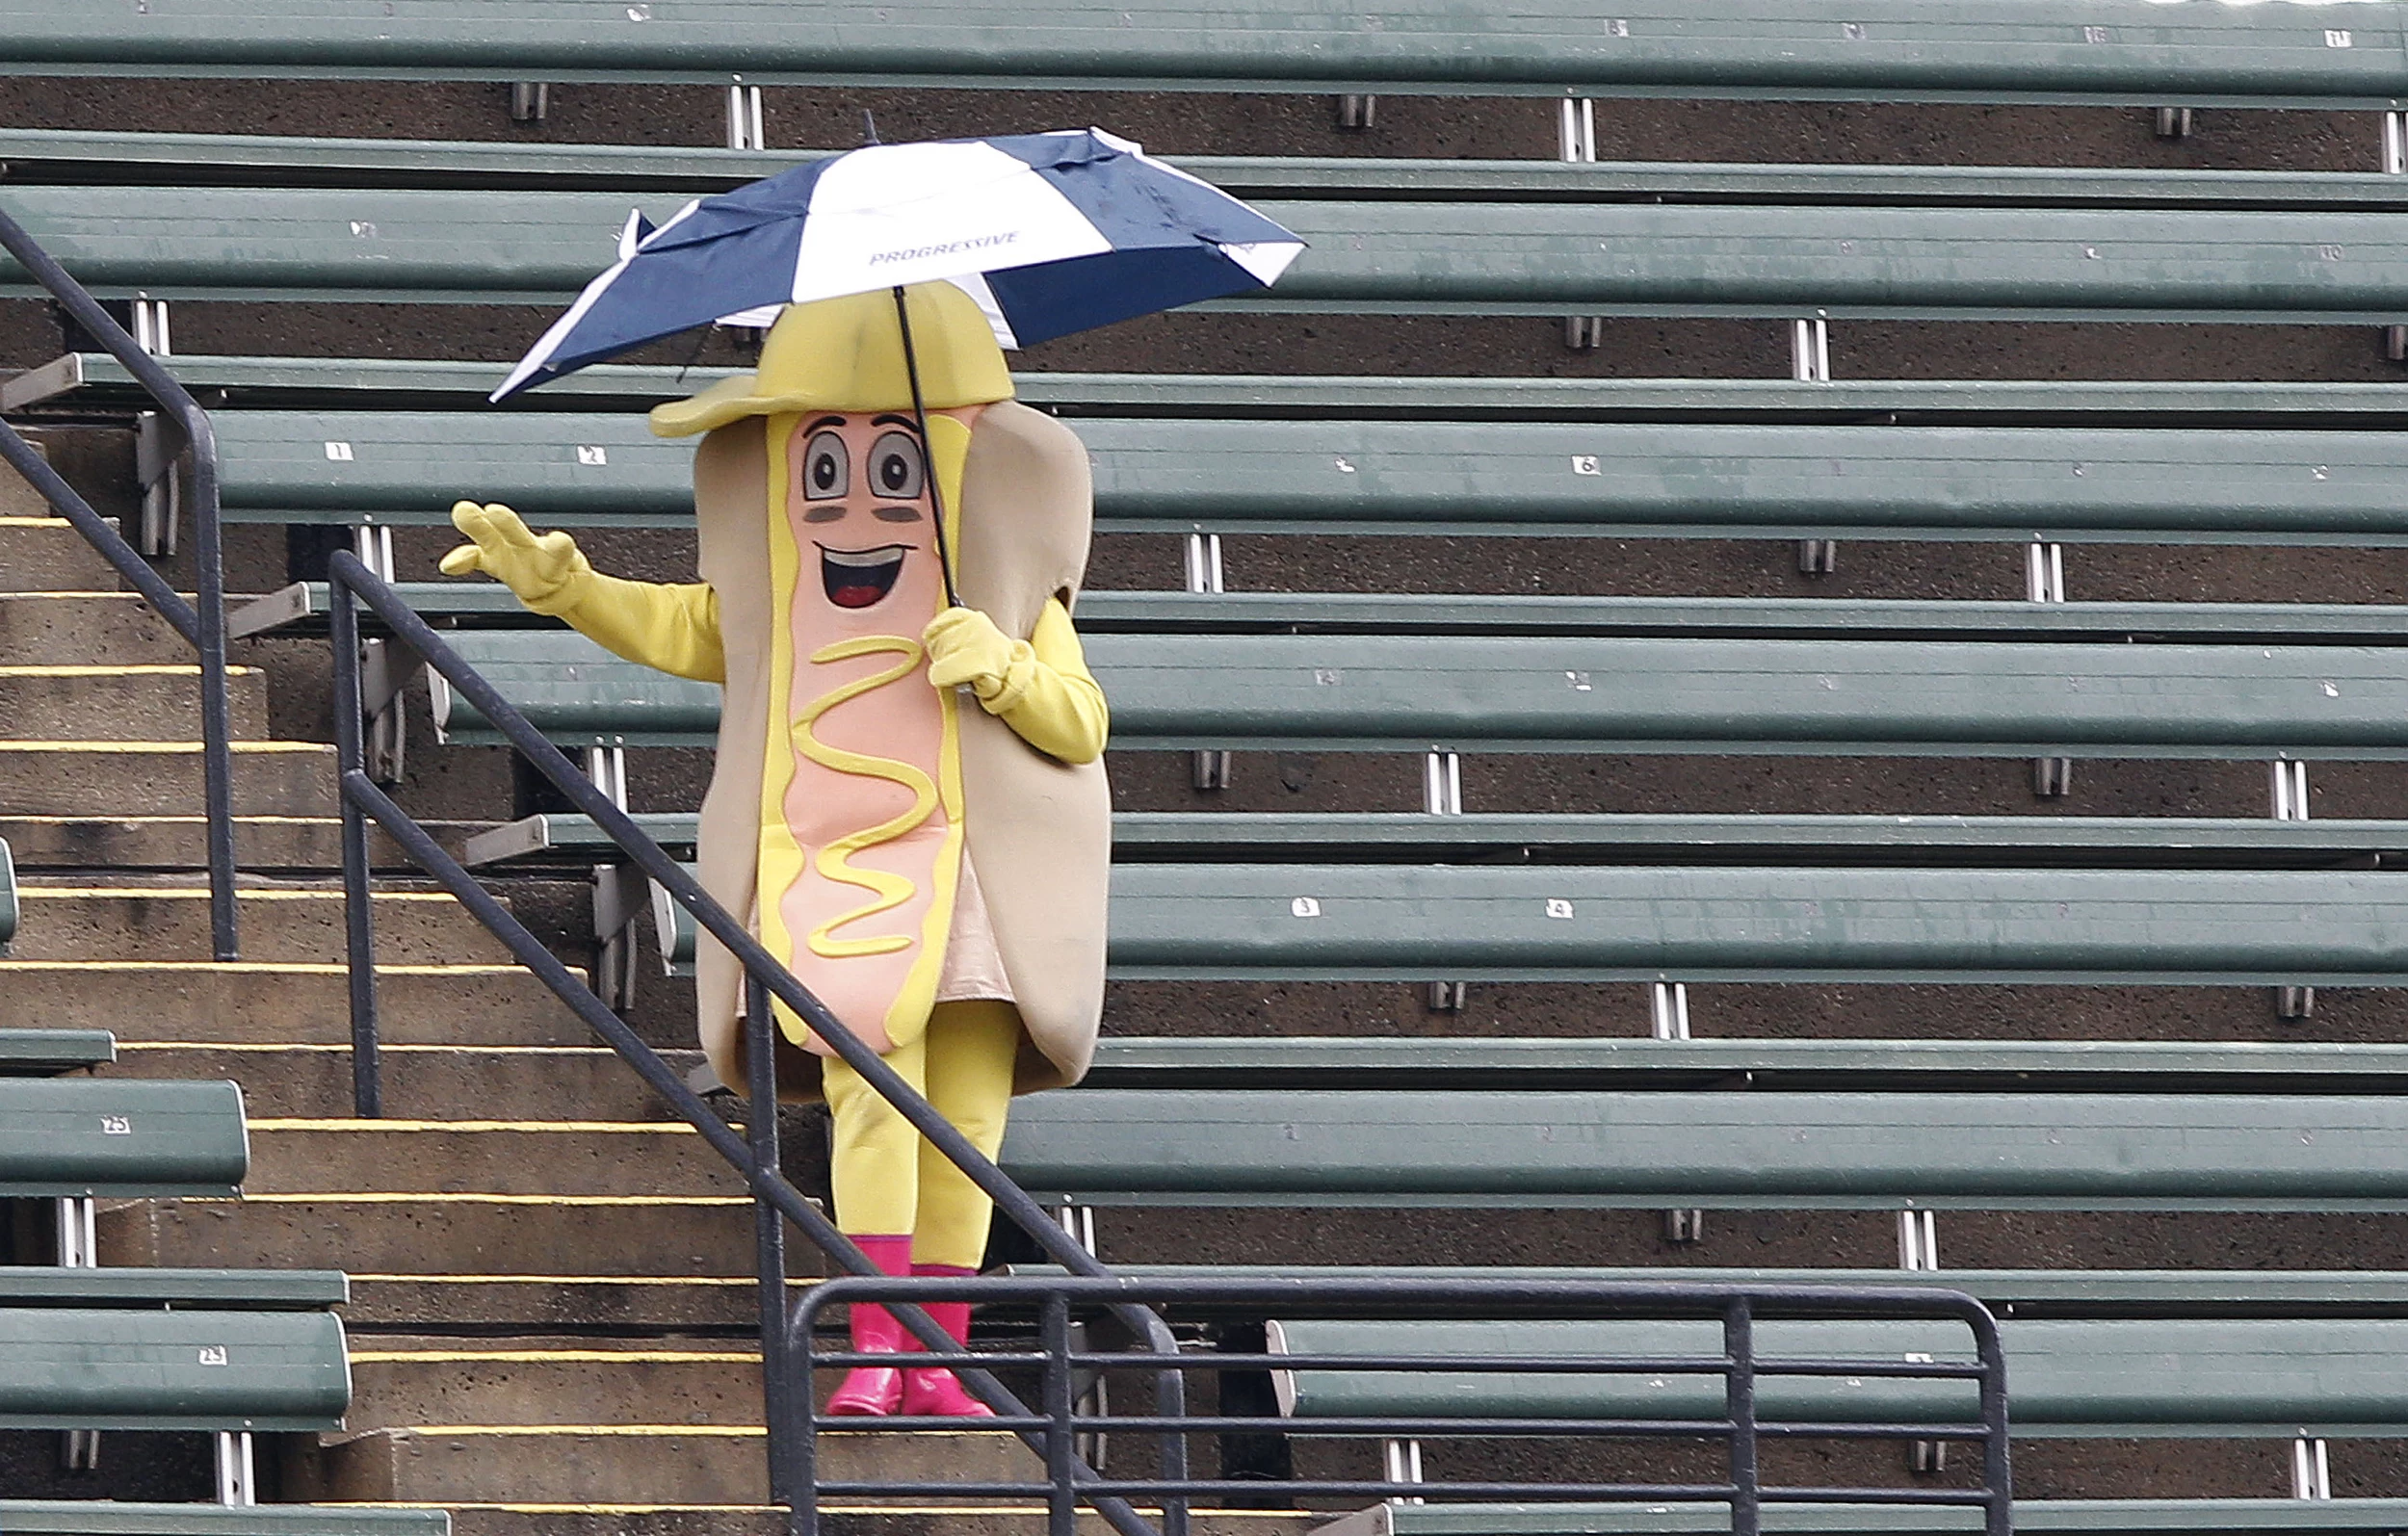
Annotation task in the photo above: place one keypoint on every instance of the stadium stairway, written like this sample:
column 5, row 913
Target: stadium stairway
column 552, row 1311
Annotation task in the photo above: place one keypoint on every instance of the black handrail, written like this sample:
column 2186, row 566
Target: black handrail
column 202, row 621
column 352, row 583
column 1741, row 1363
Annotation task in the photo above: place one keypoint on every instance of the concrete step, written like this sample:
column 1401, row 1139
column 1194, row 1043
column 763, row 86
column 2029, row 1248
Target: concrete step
column 398, row 1382
column 419, row 1081
column 490, row 1156
column 93, row 627
column 159, row 702
column 280, row 843
column 256, row 1002
column 846, row 1520
column 128, row 920
column 44, row 554
column 622, row 1464
column 619, row 1304
column 123, row 778
column 450, row 1246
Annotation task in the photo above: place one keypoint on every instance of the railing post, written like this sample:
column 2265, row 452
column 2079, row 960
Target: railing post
column 769, row 1233
column 1739, row 1405
column 1061, row 1499
column 359, row 942
column 1997, row 1476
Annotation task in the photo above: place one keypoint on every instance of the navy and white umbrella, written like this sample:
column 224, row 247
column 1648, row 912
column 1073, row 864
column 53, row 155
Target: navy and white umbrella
column 1051, row 232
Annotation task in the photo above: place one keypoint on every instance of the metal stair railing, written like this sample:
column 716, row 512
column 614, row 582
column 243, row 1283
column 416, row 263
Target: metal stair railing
column 201, row 622
column 754, row 1154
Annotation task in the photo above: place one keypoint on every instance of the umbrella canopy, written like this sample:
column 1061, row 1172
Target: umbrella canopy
column 1052, row 233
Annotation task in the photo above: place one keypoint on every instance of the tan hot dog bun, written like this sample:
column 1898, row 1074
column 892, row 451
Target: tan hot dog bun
column 1017, row 494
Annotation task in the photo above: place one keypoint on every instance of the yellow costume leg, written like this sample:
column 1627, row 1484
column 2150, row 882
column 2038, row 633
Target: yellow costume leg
column 972, row 1048
column 874, row 1163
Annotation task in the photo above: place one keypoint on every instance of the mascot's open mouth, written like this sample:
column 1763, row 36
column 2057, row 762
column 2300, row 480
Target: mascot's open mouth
column 860, row 578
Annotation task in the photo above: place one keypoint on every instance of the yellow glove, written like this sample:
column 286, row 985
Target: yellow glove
column 964, row 646
column 549, row 574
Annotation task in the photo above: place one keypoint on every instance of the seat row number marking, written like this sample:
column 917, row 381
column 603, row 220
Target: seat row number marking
column 1304, row 906
column 116, row 1125
column 591, row 453
column 339, row 453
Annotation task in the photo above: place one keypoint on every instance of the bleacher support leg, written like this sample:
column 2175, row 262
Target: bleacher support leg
column 2396, row 164
column 1810, row 363
column 2173, row 123
column 158, row 451
column 2311, row 1471
column 1210, row 770
column 2043, row 582
column 530, row 101
column 1918, row 1252
column 384, row 671
column 1357, row 112
column 78, row 1248
column 621, row 894
column 2290, row 803
column 1667, row 1019
column 237, row 1477
column 1576, row 143
column 1401, row 1461
column 744, row 129
column 1442, row 795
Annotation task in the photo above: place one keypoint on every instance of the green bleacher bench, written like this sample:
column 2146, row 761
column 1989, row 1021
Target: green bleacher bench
column 1533, row 479
column 78, row 1137
column 1212, row 922
column 86, row 158
column 2041, row 1517
column 2228, row 1378
column 1896, row 50
column 95, row 1517
column 48, row 1053
column 2080, row 1293
column 548, row 839
column 206, row 1290
column 95, row 381
column 121, row 1368
column 1624, row 694
column 301, row 608
column 1503, row 255
column 1493, row 1064
column 1772, row 1150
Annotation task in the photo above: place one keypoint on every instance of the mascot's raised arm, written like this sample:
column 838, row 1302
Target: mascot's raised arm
column 909, row 804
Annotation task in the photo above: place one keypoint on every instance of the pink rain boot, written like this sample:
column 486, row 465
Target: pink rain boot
column 928, row 1390
column 876, row 1390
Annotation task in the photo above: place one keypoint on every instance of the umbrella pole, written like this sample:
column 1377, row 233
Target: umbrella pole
column 920, row 414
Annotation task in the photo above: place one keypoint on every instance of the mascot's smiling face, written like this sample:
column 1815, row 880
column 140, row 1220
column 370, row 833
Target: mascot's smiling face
column 858, row 504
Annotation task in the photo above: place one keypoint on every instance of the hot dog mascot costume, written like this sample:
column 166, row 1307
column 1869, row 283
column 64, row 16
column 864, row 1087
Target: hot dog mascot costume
column 909, row 798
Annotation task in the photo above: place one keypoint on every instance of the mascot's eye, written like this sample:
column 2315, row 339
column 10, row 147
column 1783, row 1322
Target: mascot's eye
column 827, row 468
column 896, row 469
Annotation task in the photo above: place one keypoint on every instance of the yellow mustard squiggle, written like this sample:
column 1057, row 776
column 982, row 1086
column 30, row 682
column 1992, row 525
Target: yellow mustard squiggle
column 833, row 862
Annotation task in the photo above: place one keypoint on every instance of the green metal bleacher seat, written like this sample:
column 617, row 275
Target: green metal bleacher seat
column 1682, row 479
column 87, row 1137
column 1893, row 50
column 1418, row 691
column 2094, row 1378
column 48, row 1053
column 185, row 1290
column 159, row 1367
column 1502, row 256
column 1771, row 1149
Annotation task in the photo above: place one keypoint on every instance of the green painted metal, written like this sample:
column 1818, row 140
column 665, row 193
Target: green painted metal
column 1409, row 837
column 2231, row 1378
column 485, row 604
column 1375, row 1064
column 44, row 1053
column 127, row 1136
column 2048, row 50
column 1398, row 923
column 81, row 157
column 2104, row 1517
column 211, row 1290
column 2010, row 1292
column 1481, row 693
column 122, row 1369
column 92, row 1517
column 1751, row 1151
column 94, row 380
column 1494, row 257
column 1728, row 479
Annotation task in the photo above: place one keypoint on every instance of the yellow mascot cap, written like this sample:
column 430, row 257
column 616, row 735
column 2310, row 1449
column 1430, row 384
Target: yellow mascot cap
column 847, row 354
